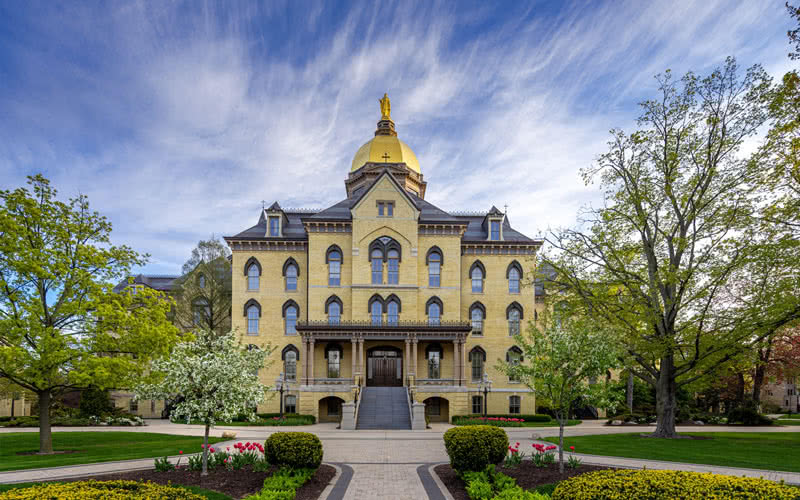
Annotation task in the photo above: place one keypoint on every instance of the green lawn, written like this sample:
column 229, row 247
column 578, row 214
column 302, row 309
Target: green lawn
column 788, row 421
column 209, row 494
column 754, row 450
column 92, row 447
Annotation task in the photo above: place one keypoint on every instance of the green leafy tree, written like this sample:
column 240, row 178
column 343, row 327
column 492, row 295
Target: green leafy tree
column 213, row 377
column 61, row 325
column 794, row 35
column 203, row 293
column 676, row 231
column 564, row 354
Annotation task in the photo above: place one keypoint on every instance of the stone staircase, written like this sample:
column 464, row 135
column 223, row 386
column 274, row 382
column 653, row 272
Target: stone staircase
column 383, row 408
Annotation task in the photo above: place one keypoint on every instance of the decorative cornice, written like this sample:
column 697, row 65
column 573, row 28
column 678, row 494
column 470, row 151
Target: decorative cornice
column 263, row 244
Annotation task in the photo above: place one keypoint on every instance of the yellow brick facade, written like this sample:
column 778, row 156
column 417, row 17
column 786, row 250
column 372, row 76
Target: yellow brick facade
column 414, row 229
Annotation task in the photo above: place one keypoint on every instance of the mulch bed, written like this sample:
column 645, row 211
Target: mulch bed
column 527, row 475
column 234, row 483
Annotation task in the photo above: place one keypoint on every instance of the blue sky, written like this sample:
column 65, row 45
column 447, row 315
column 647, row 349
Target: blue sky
column 178, row 118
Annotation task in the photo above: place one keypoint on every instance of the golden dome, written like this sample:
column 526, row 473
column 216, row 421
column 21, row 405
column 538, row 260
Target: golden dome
column 385, row 147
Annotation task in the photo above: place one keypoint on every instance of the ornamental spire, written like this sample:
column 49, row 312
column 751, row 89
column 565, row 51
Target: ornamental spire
column 386, row 125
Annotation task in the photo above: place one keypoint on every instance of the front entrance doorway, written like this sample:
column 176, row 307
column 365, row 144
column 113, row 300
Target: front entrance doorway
column 384, row 367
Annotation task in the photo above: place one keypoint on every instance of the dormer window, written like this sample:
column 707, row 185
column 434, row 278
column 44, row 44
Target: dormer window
column 385, row 209
column 274, row 226
column 495, row 236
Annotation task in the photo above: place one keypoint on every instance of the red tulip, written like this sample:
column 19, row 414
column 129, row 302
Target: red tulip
column 180, row 452
column 572, row 448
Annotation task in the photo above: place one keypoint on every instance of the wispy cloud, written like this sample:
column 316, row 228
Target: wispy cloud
column 177, row 119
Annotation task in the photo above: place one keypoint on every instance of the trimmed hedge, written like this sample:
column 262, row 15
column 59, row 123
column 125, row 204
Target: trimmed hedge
column 105, row 490
column 267, row 416
column 528, row 418
column 294, row 449
column 747, row 416
column 654, row 484
column 473, row 447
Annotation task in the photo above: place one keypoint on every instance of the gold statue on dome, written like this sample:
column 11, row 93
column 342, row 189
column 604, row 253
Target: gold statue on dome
column 386, row 107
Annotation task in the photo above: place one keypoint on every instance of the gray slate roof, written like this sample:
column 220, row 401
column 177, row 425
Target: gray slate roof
column 162, row 283
column 294, row 230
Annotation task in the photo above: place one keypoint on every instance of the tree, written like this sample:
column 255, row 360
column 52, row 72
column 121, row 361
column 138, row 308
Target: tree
column 61, row 325
column 203, row 293
column 213, row 377
column 794, row 35
column 562, row 355
column 676, row 228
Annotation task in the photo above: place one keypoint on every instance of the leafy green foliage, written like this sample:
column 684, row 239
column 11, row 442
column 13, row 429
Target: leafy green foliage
column 163, row 464
column 747, row 416
column 62, row 326
column 108, row 490
column 647, row 484
column 283, row 484
column 473, row 447
column 491, row 485
column 294, row 449
column 95, row 401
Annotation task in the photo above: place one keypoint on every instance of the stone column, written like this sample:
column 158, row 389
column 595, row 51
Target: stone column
column 456, row 363
column 414, row 358
column 464, row 376
column 361, row 368
column 311, row 360
column 353, row 346
column 407, row 362
column 304, row 362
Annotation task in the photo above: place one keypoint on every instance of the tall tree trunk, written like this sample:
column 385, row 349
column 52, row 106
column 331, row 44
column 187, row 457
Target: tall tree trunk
column 740, row 389
column 205, row 452
column 12, row 406
column 629, row 392
column 45, row 436
column 758, row 382
column 666, row 401
column 561, row 422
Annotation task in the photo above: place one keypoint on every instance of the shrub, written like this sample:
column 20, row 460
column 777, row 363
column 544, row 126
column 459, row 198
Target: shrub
column 747, row 416
column 473, row 447
column 492, row 485
column 294, row 449
column 105, row 490
column 95, row 401
column 283, row 484
column 649, row 484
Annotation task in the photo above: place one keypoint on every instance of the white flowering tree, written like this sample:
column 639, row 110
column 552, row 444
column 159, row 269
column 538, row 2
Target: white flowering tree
column 214, row 378
column 563, row 358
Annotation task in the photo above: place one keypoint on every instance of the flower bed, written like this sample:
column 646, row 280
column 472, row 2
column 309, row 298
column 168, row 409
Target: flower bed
column 106, row 490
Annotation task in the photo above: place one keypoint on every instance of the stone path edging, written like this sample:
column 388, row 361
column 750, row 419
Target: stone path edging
column 432, row 484
column 339, row 488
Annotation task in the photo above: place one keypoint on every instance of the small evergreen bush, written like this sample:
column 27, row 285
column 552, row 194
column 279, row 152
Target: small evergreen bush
column 675, row 485
column 294, row 449
column 473, row 447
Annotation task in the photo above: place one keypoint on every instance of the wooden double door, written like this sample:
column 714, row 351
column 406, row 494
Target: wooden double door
column 384, row 367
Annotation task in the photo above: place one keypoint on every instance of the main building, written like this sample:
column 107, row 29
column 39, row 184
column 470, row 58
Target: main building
column 385, row 290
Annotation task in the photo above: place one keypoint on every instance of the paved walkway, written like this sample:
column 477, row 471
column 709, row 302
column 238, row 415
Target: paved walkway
column 389, row 464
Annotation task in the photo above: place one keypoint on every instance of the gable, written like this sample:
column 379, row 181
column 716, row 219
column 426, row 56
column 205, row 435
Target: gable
column 385, row 189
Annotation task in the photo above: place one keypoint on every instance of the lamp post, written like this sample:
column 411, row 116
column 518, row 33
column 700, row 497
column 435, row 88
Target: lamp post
column 280, row 383
column 487, row 387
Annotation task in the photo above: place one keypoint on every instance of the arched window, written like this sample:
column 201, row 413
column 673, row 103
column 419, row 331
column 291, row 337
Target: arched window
column 290, row 272
column 377, row 266
column 514, row 358
column 393, row 267
column 201, row 312
column 334, row 313
column 434, row 309
column 514, row 273
column 376, row 309
column 290, row 312
column 290, row 355
column 477, row 273
column 333, row 353
column 252, row 269
column 477, row 357
column 434, row 355
column 434, row 261
column 392, row 310
column 290, row 403
column 514, row 315
column 334, row 259
column 477, row 313
column 253, row 313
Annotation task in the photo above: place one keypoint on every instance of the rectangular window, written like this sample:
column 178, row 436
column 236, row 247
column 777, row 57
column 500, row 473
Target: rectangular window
column 434, row 274
column 495, row 230
column 133, row 406
column 434, row 365
column 390, row 209
column 335, row 273
column 393, row 275
column 274, row 226
column 290, row 404
column 333, row 364
column 377, row 271
column 477, row 405
column 513, row 327
column 291, row 369
column 514, row 405
column 380, row 209
column 477, row 368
